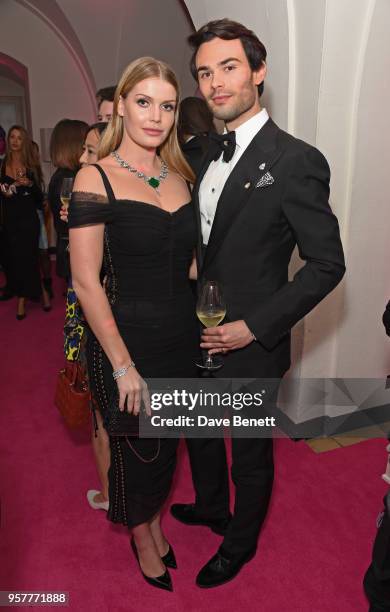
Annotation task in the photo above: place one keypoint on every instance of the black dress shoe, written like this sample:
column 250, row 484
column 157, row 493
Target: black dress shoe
column 160, row 582
column 187, row 514
column 221, row 569
column 20, row 317
column 169, row 559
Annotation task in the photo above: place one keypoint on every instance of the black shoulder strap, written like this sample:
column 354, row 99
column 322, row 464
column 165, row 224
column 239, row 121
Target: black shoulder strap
column 107, row 184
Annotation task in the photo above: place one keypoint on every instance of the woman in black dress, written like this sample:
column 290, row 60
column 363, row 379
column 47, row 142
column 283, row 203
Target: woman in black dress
column 22, row 197
column 66, row 147
column 143, row 322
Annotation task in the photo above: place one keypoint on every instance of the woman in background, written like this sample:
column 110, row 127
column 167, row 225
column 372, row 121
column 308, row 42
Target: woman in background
column 98, row 500
column 6, row 295
column 66, row 147
column 21, row 177
column 195, row 125
column 3, row 142
column 91, row 143
column 44, row 258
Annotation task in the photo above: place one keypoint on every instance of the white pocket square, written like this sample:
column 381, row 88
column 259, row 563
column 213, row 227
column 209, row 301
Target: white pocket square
column 266, row 180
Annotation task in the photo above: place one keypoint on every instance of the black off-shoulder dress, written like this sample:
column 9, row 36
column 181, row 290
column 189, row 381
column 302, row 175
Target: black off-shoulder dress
column 147, row 254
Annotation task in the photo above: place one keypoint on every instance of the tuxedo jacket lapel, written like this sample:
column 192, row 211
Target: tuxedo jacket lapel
column 263, row 150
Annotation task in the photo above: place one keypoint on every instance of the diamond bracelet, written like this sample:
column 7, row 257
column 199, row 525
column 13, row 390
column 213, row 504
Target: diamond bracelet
column 122, row 371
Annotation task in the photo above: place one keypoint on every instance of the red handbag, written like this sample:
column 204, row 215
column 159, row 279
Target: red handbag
column 72, row 395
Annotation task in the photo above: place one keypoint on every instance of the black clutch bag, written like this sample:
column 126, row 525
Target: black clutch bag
column 120, row 423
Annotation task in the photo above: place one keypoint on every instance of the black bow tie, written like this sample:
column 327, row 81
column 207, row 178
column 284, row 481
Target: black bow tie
column 226, row 143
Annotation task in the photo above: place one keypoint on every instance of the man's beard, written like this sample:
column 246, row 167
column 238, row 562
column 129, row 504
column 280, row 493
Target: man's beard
column 244, row 103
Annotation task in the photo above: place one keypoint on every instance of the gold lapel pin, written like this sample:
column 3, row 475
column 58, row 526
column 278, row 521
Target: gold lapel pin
column 247, row 185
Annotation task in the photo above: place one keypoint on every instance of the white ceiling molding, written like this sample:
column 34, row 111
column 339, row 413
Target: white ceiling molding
column 52, row 15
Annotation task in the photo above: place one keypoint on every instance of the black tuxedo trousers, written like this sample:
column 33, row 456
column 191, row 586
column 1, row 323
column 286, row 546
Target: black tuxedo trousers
column 276, row 198
column 252, row 473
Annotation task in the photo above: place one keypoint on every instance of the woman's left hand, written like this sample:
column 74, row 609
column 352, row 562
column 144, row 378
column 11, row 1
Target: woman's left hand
column 23, row 182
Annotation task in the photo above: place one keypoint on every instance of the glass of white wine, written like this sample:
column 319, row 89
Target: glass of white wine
column 210, row 310
column 21, row 174
column 66, row 191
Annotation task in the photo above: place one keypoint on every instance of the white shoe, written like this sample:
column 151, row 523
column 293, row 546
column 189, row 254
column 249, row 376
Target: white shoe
column 96, row 505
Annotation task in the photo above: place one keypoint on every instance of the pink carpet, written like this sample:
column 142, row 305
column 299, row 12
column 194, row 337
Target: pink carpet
column 312, row 553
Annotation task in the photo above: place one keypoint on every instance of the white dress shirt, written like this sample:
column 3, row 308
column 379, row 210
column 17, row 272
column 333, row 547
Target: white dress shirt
column 218, row 172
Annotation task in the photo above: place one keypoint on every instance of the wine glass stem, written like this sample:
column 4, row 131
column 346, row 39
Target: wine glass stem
column 209, row 361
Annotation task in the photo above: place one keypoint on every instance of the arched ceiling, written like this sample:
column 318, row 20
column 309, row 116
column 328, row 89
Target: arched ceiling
column 49, row 12
column 103, row 38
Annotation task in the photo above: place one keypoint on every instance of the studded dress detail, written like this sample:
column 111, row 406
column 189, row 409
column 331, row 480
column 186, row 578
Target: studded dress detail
column 147, row 254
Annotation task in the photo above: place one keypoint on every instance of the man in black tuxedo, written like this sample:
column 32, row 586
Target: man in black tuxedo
column 260, row 193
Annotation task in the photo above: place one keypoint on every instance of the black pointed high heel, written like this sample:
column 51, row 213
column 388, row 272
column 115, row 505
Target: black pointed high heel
column 169, row 558
column 45, row 307
column 160, row 582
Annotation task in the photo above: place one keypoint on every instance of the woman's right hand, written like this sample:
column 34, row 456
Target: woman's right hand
column 134, row 389
column 64, row 214
column 6, row 189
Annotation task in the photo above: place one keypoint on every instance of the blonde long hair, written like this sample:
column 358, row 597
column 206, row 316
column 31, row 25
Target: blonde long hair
column 170, row 151
column 28, row 156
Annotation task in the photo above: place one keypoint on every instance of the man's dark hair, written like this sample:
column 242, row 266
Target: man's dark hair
column 227, row 29
column 106, row 93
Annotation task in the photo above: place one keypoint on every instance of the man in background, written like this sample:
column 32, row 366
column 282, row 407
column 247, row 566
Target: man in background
column 105, row 103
